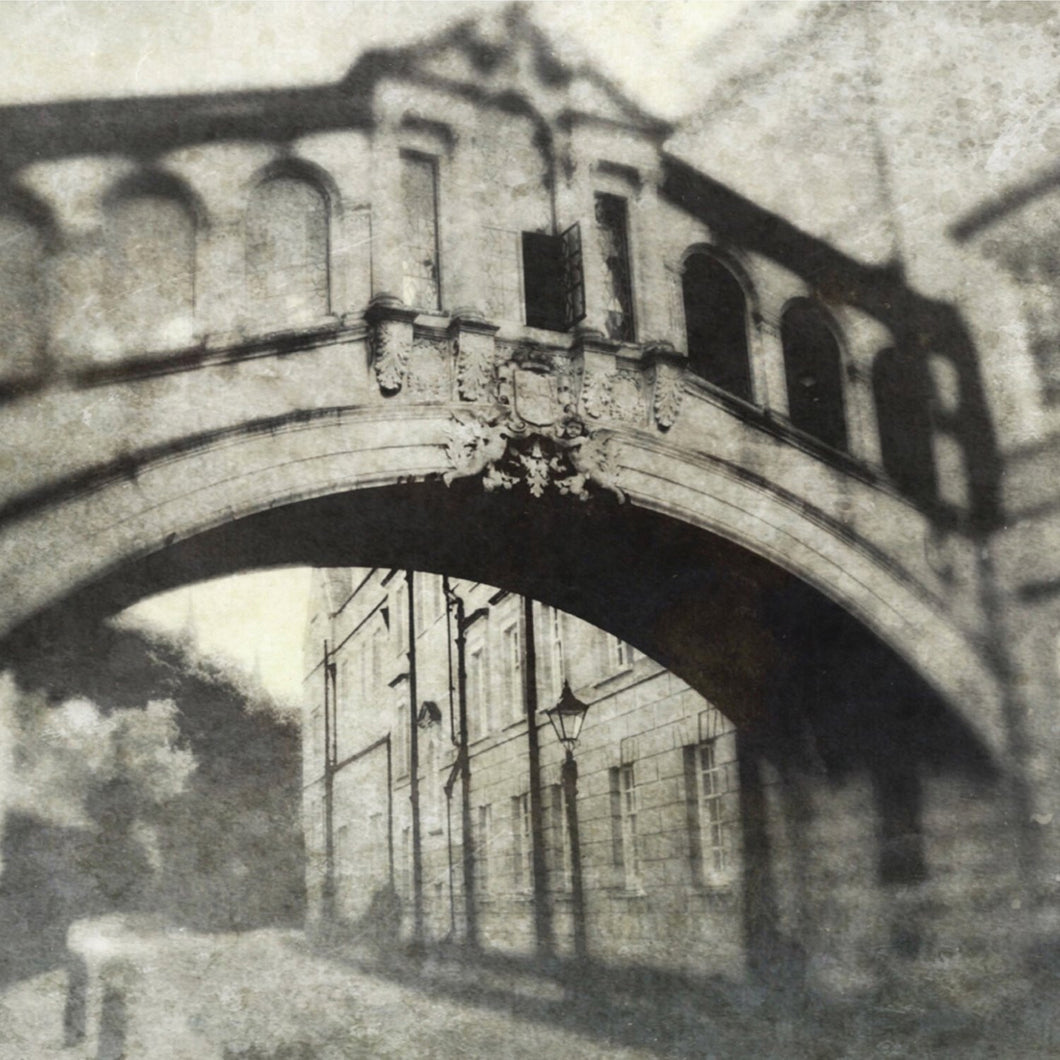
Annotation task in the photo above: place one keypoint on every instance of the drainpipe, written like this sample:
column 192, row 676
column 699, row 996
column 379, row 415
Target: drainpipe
column 464, row 762
column 542, row 906
column 414, row 774
column 328, row 896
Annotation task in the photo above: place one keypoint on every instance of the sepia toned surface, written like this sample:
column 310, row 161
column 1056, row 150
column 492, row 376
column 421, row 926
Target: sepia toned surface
column 765, row 391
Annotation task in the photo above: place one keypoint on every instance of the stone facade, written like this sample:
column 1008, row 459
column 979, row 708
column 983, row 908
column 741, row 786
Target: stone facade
column 658, row 788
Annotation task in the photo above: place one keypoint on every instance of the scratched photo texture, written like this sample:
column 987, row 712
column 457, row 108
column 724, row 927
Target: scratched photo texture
column 529, row 529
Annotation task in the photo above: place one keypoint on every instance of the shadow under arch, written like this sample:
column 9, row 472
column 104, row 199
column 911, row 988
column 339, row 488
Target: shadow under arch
column 726, row 620
column 817, row 698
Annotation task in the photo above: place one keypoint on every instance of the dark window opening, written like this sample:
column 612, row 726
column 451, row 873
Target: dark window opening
column 553, row 279
column 419, row 251
column 814, row 370
column 612, row 230
column 902, row 391
column 716, row 325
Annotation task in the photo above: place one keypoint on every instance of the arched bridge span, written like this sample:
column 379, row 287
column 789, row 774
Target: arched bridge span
column 701, row 561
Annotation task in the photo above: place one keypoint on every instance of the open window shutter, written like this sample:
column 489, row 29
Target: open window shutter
column 574, row 276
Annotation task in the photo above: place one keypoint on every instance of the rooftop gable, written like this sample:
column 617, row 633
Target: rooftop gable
column 502, row 58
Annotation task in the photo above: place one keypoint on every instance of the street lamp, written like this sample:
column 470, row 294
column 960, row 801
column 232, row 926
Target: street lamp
column 567, row 718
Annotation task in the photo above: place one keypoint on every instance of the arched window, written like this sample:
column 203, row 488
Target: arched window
column 287, row 252
column 901, row 388
column 716, row 325
column 23, row 296
column 149, row 239
column 814, row 369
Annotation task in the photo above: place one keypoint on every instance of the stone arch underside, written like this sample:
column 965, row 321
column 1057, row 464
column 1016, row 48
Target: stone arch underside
column 764, row 611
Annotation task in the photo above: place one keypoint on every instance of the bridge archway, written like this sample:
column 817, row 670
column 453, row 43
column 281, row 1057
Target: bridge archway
column 789, row 632
column 694, row 555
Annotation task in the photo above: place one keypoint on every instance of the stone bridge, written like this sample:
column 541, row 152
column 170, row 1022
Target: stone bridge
column 462, row 311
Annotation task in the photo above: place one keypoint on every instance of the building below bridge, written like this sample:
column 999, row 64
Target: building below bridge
column 658, row 799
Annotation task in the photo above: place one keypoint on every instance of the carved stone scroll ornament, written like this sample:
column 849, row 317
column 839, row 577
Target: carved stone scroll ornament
column 474, row 365
column 391, row 341
column 390, row 354
column 669, row 389
column 507, row 452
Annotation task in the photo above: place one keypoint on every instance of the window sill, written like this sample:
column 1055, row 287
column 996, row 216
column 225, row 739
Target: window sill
column 614, row 678
column 713, row 890
column 627, row 893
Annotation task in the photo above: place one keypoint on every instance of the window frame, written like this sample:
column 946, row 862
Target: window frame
column 618, row 288
column 626, row 855
column 713, row 808
column 407, row 155
column 727, row 264
column 522, row 844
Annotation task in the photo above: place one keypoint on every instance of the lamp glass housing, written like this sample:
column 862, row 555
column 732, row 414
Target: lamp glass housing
column 567, row 717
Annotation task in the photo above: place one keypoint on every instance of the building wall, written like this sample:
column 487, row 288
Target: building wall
column 660, row 838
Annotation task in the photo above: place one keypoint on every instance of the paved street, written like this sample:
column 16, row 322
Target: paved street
column 268, row 995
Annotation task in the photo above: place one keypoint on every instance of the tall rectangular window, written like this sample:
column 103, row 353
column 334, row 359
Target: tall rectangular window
column 363, row 647
column 543, row 281
column 611, row 654
column 483, row 852
column 553, row 280
column 556, row 654
column 419, row 251
column 399, row 611
column 522, row 849
column 429, row 599
column 401, row 731
column 405, row 870
column 512, row 666
column 626, row 857
column 478, row 698
column 431, row 789
column 558, row 839
column 621, row 653
column 503, row 280
column 711, row 779
column 377, row 661
column 612, row 236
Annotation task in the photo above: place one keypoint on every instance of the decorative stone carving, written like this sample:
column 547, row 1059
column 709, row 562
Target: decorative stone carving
column 613, row 394
column 626, row 401
column 538, row 386
column 428, row 370
column 508, row 451
column 391, row 341
column 390, row 354
column 669, row 387
column 474, row 364
column 596, row 394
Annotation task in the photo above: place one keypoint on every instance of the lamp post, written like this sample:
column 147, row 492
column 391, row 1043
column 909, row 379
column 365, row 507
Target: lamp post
column 567, row 718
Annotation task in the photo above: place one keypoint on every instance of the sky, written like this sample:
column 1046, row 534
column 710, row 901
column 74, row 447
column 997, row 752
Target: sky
column 56, row 49
column 61, row 50
column 251, row 622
